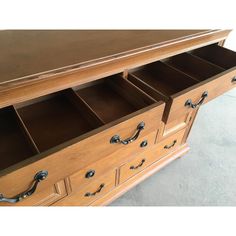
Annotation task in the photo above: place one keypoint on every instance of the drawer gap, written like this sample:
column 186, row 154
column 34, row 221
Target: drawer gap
column 113, row 97
column 15, row 144
column 54, row 119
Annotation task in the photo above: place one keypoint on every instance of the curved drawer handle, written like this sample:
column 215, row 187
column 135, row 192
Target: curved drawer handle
column 41, row 175
column 94, row 193
column 234, row 79
column 138, row 166
column 117, row 139
column 171, row 145
column 189, row 102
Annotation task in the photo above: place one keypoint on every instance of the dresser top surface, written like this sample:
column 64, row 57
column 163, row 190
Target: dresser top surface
column 25, row 53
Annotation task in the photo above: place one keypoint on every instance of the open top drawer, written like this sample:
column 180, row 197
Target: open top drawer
column 64, row 132
column 187, row 80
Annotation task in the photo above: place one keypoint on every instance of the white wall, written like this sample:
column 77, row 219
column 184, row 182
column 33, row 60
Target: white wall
column 231, row 41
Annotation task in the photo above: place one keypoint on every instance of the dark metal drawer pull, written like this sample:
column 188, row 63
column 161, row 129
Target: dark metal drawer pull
column 171, row 145
column 90, row 174
column 189, row 102
column 117, row 139
column 41, row 175
column 234, row 79
column 139, row 165
column 94, row 193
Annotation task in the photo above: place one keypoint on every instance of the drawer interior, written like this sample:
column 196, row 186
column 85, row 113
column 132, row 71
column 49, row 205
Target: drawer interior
column 34, row 126
column 15, row 144
column 54, row 119
column 113, row 98
column 217, row 55
column 194, row 66
column 163, row 78
column 169, row 76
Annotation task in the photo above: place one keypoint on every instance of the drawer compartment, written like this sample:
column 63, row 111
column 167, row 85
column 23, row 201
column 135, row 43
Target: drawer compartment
column 186, row 81
column 63, row 134
column 15, row 144
column 89, row 193
column 217, row 55
column 54, row 119
column 113, row 98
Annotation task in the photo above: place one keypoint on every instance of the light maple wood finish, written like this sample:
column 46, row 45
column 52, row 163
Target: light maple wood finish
column 185, row 77
column 139, row 177
column 169, row 144
column 43, row 196
column 110, row 162
column 68, row 132
column 138, row 164
column 18, row 90
column 153, row 154
column 77, row 154
column 96, row 189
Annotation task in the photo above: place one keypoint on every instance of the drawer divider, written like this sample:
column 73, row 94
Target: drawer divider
column 85, row 109
column 152, row 91
column 134, row 94
column 26, row 132
column 206, row 61
column 182, row 72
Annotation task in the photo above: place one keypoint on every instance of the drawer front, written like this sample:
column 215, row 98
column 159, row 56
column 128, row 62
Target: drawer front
column 215, row 86
column 42, row 197
column 138, row 164
column 101, row 167
column 89, row 193
column 169, row 144
column 76, row 156
column 180, row 122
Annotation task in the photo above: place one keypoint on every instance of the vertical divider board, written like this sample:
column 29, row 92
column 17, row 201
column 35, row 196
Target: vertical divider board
column 25, row 131
column 15, row 143
column 125, row 87
column 85, row 109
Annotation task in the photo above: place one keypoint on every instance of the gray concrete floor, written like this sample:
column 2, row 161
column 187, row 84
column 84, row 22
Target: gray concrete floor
column 206, row 176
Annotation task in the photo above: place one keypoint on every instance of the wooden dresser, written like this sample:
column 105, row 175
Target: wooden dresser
column 87, row 115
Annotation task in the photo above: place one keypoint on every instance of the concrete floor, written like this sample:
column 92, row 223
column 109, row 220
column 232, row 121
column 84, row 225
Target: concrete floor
column 206, row 176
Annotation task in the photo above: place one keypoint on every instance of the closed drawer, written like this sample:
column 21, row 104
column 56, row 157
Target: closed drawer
column 83, row 196
column 187, row 81
column 67, row 131
column 148, row 157
column 97, row 169
column 138, row 164
column 41, row 197
column 170, row 143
